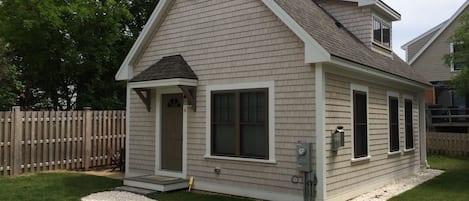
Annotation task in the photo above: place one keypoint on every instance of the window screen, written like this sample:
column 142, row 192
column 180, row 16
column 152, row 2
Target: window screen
column 409, row 132
column 393, row 124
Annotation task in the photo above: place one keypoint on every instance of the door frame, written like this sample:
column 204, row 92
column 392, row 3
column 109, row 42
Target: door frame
column 158, row 123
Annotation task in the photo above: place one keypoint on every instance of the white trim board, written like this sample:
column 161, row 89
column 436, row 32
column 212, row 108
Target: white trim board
column 361, row 88
column 344, row 67
column 314, row 52
column 448, row 23
column 432, row 30
column 395, row 95
column 125, row 72
column 244, row 190
column 270, row 85
column 320, row 106
column 158, row 170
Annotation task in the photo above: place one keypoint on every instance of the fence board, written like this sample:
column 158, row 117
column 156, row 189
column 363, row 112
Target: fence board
column 33, row 141
column 452, row 144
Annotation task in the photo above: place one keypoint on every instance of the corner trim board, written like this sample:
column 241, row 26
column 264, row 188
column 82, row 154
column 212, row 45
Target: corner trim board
column 246, row 191
column 320, row 91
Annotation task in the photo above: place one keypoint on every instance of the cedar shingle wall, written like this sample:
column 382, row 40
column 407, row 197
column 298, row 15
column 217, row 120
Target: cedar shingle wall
column 356, row 20
column 238, row 41
column 347, row 179
column 142, row 136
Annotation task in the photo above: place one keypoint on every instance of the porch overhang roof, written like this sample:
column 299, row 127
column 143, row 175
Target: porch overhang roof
column 171, row 67
column 167, row 72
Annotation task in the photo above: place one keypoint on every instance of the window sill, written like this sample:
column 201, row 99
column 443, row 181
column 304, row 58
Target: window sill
column 381, row 45
column 394, row 153
column 409, row 150
column 240, row 159
column 362, row 159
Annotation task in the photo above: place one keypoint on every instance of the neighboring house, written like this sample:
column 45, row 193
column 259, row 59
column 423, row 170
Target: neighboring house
column 425, row 54
column 223, row 91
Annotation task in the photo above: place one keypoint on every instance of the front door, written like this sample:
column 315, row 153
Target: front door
column 171, row 132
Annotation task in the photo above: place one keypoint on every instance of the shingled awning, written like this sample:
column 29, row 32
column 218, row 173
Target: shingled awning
column 167, row 68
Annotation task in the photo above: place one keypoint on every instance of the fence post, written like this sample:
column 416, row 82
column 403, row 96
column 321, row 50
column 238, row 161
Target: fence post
column 88, row 120
column 16, row 139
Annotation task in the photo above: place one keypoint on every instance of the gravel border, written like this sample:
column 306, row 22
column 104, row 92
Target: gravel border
column 399, row 186
column 382, row 194
column 115, row 196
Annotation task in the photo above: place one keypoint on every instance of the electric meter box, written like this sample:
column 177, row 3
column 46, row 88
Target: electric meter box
column 303, row 157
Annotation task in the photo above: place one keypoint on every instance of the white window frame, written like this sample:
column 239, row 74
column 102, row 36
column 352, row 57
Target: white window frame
column 382, row 21
column 451, row 50
column 270, row 85
column 408, row 97
column 396, row 95
column 357, row 87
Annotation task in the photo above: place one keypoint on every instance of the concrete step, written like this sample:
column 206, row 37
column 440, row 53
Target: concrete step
column 157, row 183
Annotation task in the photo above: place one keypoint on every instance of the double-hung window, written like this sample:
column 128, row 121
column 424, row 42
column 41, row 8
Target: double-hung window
column 381, row 32
column 393, row 112
column 409, row 130
column 239, row 123
column 360, row 122
column 458, row 61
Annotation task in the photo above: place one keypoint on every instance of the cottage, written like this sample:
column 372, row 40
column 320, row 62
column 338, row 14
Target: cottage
column 244, row 95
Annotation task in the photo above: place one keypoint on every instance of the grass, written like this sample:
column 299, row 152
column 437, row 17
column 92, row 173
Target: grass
column 453, row 185
column 53, row 186
column 192, row 196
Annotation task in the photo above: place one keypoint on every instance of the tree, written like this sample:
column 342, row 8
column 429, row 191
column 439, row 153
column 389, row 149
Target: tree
column 460, row 39
column 10, row 86
column 69, row 51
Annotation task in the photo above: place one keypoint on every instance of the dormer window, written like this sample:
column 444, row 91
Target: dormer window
column 381, row 32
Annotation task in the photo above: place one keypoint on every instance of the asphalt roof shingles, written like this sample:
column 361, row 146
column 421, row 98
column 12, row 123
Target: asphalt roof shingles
column 167, row 68
column 341, row 43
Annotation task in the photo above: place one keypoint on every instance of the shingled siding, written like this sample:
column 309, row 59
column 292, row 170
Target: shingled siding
column 346, row 179
column 431, row 63
column 142, row 137
column 356, row 20
column 417, row 45
column 240, row 41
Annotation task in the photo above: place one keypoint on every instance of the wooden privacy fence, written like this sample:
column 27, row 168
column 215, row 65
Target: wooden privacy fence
column 59, row 140
column 451, row 144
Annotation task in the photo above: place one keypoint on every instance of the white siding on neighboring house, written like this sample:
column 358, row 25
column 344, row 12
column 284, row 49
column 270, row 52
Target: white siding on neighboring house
column 228, row 42
column 345, row 178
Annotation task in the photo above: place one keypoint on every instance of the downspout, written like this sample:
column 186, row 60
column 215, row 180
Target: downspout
column 320, row 129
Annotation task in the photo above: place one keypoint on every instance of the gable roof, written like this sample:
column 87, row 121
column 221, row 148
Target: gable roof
column 340, row 42
column 323, row 39
column 166, row 68
column 440, row 31
column 429, row 32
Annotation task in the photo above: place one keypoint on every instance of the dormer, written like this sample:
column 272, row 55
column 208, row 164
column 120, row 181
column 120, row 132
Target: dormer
column 370, row 21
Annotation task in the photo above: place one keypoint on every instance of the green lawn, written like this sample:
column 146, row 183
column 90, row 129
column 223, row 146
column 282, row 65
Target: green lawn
column 453, row 185
column 53, row 186
column 184, row 195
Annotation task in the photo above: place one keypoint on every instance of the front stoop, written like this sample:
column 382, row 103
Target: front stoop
column 158, row 183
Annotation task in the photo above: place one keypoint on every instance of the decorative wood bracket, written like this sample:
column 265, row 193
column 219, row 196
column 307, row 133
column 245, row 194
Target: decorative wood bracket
column 190, row 93
column 145, row 96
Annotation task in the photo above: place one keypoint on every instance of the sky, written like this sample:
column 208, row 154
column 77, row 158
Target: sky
column 417, row 17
